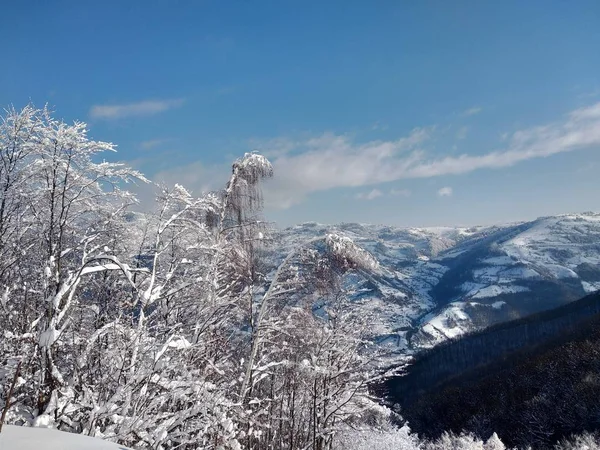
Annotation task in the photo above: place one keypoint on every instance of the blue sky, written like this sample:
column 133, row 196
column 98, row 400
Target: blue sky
column 405, row 113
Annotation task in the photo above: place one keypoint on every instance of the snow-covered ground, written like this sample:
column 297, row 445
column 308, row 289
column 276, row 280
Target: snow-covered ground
column 25, row 438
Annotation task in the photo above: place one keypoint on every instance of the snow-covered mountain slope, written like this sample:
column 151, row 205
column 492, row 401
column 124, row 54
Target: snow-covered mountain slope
column 438, row 283
column 25, row 438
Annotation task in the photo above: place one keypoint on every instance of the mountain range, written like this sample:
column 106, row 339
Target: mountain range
column 435, row 284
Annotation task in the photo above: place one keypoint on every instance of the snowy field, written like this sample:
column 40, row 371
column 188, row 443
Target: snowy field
column 25, row 438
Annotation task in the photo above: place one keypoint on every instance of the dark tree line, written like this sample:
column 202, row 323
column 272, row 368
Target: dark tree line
column 534, row 397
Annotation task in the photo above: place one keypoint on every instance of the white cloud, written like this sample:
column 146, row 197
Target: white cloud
column 373, row 194
column 445, row 192
column 472, row 111
column 328, row 161
column 400, row 192
column 144, row 108
column 333, row 161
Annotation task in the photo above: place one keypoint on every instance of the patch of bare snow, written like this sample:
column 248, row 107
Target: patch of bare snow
column 560, row 271
column 495, row 290
column 451, row 322
column 590, row 287
column 27, row 438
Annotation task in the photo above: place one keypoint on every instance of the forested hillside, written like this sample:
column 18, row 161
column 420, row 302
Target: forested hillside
column 533, row 381
column 492, row 346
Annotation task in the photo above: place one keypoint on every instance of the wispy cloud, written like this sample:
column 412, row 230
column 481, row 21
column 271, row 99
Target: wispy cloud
column 329, row 161
column 472, row 111
column 143, row 108
column 332, row 161
column 446, row 191
column 371, row 195
column 306, row 166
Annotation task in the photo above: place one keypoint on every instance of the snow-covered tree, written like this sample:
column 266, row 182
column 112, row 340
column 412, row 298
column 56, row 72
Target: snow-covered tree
column 63, row 204
column 168, row 329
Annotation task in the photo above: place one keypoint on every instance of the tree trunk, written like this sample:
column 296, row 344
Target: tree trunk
column 9, row 395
